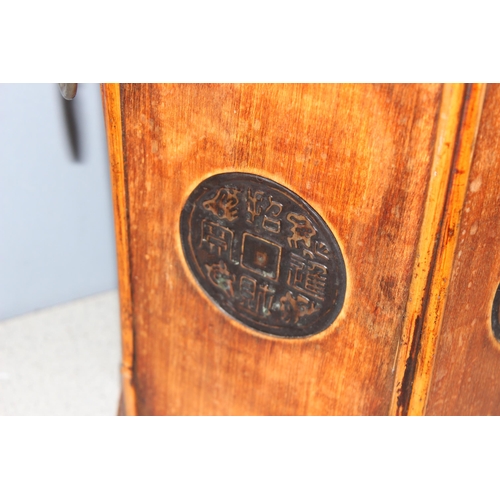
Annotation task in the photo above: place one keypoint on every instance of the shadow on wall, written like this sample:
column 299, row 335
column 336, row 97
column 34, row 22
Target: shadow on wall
column 56, row 219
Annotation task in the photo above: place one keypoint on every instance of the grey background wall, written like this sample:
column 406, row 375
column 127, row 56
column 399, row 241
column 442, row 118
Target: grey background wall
column 56, row 221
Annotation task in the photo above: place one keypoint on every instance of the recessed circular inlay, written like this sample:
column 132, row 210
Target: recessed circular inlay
column 495, row 315
column 263, row 255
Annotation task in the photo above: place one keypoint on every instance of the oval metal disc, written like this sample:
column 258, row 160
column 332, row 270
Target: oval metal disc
column 263, row 255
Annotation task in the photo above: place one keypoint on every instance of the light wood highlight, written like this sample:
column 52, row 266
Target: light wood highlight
column 112, row 114
column 446, row 245
column 465, row 378
column 449, row 119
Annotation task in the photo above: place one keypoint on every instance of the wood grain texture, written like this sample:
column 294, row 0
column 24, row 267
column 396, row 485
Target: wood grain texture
column 361, row 155
column 112, row 115
column 411, row 338
column 460, row 116
column 465, row 377
column 446, row 244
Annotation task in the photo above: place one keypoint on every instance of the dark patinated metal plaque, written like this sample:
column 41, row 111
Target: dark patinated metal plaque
column 495, row 315
column 263, row 255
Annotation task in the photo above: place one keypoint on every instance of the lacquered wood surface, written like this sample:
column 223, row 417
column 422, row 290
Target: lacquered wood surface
column 410, row 343
column 465, row 376
column 361, row 155
column 460, row 117
column 112, row 116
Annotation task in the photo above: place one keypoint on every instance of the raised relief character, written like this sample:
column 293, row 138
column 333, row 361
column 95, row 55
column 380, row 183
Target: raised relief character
column 253, row 201
column 302, row 230
column 219, row 275
column 260, row 256
column 223, row 204
column 271, row 222
column 216, row 239
column 307, row 276
column 292, row 309
column 316, row 279
column 255, row 298
column 319, row 250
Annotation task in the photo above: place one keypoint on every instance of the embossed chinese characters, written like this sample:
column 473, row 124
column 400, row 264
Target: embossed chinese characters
column 263, row 255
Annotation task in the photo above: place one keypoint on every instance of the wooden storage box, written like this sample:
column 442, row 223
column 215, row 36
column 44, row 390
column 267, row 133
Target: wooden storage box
column 406, row 179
